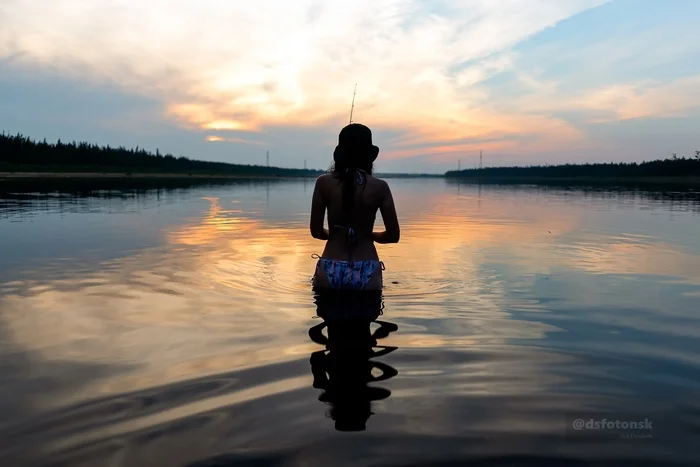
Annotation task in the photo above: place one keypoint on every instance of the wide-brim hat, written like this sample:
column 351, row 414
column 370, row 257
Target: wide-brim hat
column 357, row 138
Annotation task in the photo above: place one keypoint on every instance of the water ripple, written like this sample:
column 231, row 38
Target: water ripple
column 177, row 326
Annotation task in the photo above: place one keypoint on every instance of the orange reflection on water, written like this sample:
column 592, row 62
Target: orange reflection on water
column 230, row 288
column 438, row 256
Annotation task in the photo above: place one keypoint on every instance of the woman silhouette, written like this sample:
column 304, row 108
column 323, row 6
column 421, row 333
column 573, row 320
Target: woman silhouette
column 352, row 196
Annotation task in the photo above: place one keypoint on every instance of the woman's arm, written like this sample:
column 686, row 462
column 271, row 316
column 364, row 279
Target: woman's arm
column 318, row 210
column 392, row 232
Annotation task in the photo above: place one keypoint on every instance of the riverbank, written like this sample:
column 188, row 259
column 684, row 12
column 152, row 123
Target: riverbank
column 127, row 175
column 666, row 181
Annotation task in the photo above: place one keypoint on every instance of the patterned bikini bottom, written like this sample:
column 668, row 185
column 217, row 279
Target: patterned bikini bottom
column 349, row 275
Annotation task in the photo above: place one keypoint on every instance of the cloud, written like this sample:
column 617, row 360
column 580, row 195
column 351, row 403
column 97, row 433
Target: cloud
column 621, row 100
column 218, row 65
column 229, row 139
column 645, row 98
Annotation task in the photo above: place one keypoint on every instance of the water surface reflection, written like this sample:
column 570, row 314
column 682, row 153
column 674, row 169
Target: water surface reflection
column 346, row 365
column 171, row 326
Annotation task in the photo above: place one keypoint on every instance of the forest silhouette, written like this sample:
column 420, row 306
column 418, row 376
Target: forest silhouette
column 19, row 153
column 673, row 167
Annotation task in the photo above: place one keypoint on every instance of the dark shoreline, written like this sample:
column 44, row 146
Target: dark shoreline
column 603, row 181
column 128, row 176
column 180, row 176
column 684, row 181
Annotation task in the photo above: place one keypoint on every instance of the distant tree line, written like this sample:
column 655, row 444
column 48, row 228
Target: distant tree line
column 672, row 167
column 407, row 175
column 21, row 154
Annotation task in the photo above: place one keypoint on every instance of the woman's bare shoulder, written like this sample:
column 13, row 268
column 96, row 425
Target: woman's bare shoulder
column 324, row 179
column 379, row 183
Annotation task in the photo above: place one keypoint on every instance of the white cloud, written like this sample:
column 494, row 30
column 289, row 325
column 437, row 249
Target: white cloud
column 645, row 99
column 244, row 65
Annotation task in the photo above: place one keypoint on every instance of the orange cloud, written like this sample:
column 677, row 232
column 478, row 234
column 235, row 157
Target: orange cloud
column 644, row 99
column 206, row 118
column 219, row 139
column 285, row 67
column 492, row 133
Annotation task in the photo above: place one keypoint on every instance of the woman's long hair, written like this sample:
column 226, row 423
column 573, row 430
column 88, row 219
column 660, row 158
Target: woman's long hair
column 346, row 171
column 354, row 153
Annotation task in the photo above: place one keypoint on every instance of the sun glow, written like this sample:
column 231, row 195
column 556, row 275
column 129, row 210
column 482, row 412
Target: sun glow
column 435, row 79
column 231, row 66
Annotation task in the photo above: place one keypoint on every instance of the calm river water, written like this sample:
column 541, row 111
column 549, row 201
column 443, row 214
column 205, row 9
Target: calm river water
column 519, row 325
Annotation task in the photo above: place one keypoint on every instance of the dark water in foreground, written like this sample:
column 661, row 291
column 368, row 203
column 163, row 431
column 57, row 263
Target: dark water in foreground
column 177, row 327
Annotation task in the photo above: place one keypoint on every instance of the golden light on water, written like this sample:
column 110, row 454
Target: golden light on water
column 228, row 279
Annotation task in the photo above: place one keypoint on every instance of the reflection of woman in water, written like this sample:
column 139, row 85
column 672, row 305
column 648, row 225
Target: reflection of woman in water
column 352, row 197
column 346, row 366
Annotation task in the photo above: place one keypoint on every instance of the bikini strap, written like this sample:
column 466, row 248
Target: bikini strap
column 360, row 176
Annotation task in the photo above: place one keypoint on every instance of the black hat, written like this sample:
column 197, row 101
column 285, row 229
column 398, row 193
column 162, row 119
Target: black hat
column 357, row 138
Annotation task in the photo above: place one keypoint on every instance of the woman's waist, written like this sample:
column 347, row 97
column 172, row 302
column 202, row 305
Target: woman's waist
column 342, row 231
column 361, row 250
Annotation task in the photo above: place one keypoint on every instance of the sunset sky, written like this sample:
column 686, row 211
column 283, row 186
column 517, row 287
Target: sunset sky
column 526, row 81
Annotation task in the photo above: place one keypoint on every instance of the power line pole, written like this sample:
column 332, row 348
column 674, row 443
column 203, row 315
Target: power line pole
column 268, row 158
column 304, row 164
column 459, row 164
column 481, row 159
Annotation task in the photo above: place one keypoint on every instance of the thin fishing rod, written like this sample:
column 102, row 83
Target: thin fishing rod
column 353, row 102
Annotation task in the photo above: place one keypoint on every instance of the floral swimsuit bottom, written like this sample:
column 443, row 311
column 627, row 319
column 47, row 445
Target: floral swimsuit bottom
column 349, row 275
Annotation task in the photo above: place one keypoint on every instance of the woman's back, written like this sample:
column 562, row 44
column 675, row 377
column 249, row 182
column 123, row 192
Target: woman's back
column 352, row 196
column 368, row 197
